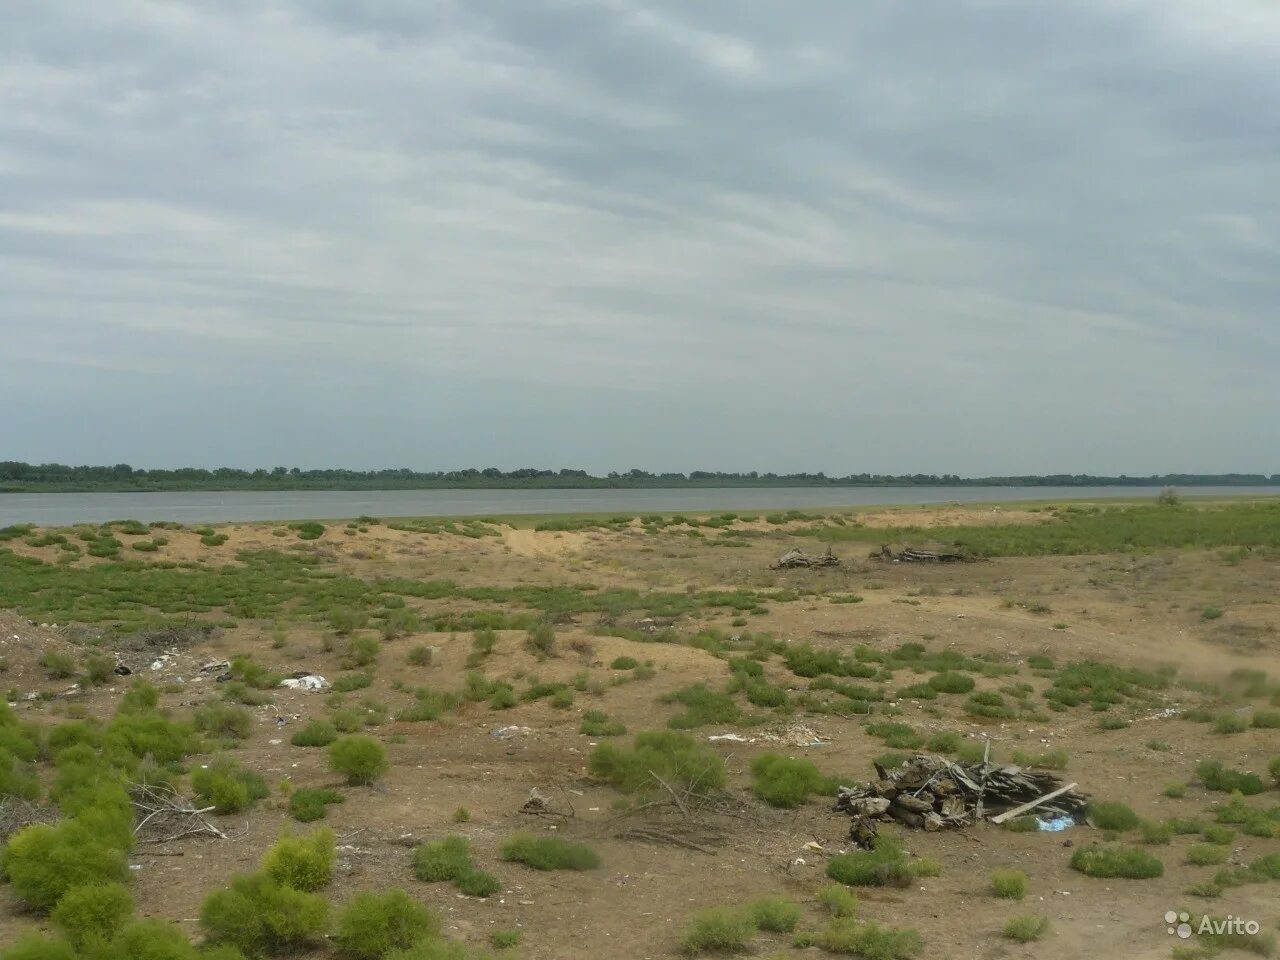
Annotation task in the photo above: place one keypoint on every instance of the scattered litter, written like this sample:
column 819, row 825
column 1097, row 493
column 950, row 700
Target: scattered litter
column 798, row 558
column 732, row 737
column 218, row 665
column 311, row 682
column 795, row 735
column 121, row 670
column 1054, row 824
column 503, row 733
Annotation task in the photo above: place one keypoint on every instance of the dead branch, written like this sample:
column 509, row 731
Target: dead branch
column 164, row 815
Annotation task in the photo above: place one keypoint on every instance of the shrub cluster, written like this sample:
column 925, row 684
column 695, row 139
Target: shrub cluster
column 680, row 761
column 883, row 866
column 227, row 787
column 360, row 759
column 785, row 781
column 1130, row 863
column 548, row 853
column 309, row 803
column 450, row 859
column 372, row 925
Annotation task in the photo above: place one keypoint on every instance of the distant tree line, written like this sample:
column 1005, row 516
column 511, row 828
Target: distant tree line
column 16, row 476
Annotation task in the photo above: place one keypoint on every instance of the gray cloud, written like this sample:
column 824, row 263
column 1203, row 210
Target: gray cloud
column 972, row 237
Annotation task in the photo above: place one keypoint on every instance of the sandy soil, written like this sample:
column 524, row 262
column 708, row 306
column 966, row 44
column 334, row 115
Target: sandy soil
column 1132, row 610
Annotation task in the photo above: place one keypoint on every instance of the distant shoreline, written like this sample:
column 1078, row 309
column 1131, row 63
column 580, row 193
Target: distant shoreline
column 20, row 478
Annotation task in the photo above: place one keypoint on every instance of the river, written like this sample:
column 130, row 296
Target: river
column 58, row 509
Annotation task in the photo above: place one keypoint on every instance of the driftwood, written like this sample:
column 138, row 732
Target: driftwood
column 914, row 555
column 933, row 793
column 798, row 558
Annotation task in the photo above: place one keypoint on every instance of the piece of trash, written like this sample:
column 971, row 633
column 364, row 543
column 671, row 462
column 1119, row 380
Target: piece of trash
column 219, row 665
column 1055, row 824
column 311, row 682
column 732, row 737
column 503, row 733
column 121, row 670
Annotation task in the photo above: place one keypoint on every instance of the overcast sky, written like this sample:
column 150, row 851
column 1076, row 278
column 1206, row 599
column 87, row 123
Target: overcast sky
column 938, row 236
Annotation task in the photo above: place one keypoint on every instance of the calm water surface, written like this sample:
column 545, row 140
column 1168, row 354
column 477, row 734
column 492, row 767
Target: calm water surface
column 48, row 509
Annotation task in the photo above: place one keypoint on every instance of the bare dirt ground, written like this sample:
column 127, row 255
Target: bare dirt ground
column 1133, row 610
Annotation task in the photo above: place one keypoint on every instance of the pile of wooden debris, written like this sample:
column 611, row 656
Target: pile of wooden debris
column 933, row 793
column 913, row 555
column 798, row 558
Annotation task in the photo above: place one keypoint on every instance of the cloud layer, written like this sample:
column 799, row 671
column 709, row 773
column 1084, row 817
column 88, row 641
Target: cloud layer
column 974, row 237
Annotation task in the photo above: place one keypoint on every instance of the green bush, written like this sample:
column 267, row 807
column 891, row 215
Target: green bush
column 1273, row 768
column 1009, row 884
column 421, row 656
column 147, row 940
column 301, row 863
column 308, row 803
column 784, row 781
column 227, row 787
column 596, row 723
column 869, row 940
column 718, row 930
column 1111, row 815
column 477, row 883
column 361, row 652
column 504, row 939
column 349, row 682
column 36, row 946
column 246, row 670
column 702, row 706
column 1266, row 719
column 58, row 665
column 224, row 720
column 344, row 620
column 775, row 914
column 440, row 860
column 1025, row 927
column 624, row 663
column 1156, row 833
column 358, row 758
column 1126, row 862
column 307, row 529
column 1175, row 791
column 43, row 862
column 134, row 735
column 1230, row 723
column 316, row 733
column 92, row 913
column 679, row 760
column 944, row 741
column 259, row 916
column 1049, row 760
column 371, row 925
column 838, row 901
column 951, row 682
column 1214, row 833
column 541, row 641
column 548, row 853
column 896, row 735
column 883, row 866
column 1215, row 776
column 17, row 779
column 1207, row 854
